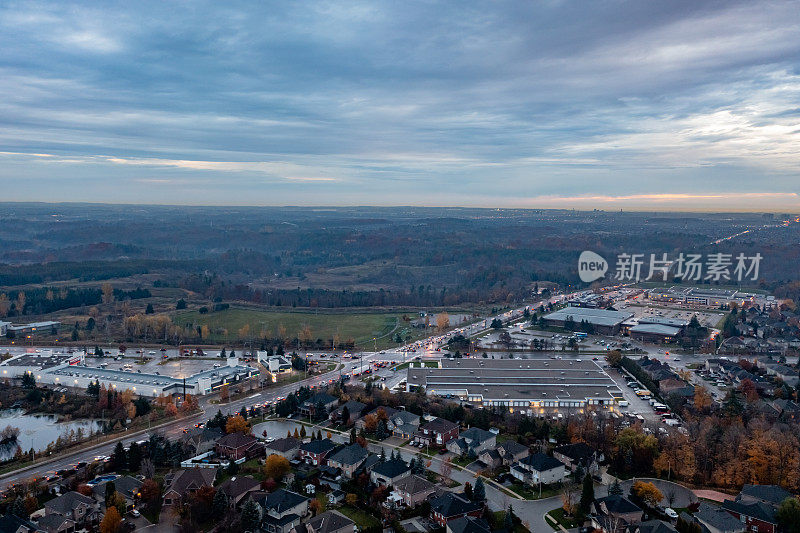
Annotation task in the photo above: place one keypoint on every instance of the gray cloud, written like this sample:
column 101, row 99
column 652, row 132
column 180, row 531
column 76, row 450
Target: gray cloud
column 508, row 103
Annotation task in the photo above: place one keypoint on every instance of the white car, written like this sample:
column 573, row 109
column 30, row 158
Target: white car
column 137, row 514
column 670, row 512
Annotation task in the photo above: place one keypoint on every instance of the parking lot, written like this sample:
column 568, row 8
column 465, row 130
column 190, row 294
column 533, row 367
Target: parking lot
column 173, row 367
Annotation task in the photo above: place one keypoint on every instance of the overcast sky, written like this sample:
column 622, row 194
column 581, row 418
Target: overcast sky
column 657, row 105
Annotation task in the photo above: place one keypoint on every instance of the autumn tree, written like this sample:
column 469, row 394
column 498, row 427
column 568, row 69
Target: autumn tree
column 237, row 424
column 276, row 467
column 676, row 457
column 647, row 492
column 446, row 468
column 442, row 321
column 108, row 293
column 702, row 399
column 614, row 358
column 111, row 521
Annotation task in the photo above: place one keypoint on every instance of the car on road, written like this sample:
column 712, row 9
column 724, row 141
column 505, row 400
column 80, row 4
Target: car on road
column 670, row 512
column 135, row 513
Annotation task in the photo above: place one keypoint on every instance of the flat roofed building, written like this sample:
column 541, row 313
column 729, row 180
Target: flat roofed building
column 603, row 320
column 654, row 332
column 533, row 386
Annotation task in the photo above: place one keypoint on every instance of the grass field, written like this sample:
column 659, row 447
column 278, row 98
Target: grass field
column 362, row 327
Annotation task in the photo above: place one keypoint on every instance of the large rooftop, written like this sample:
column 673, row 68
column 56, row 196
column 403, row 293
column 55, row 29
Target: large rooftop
column 597, row 317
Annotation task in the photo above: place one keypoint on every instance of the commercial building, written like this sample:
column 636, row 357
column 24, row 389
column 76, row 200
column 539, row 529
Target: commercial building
column 709, row 297
column 602, row 320
column 48, row 327
column 530, row 386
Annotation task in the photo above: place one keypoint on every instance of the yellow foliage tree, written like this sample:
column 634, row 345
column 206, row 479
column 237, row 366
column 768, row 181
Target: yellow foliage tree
column 647, row 492
column 237, row 424
column 111, row 521
column 276, row 467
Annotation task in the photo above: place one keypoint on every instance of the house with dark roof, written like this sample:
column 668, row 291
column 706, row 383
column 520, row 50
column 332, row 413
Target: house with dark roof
column 451, row 506
column 354, row 409
column 56, row 523
column 202, row 440
column 717, row 520
column 472, row 442
column 511, row 452
column 321, row 399
column 403, row 424
column 770, row 494
column 238, row 488
column 347, row 459
column 127, row 486
column 10, row 523
column 468, row 524
column 437, row 432
column 282, row 510
column 235, row 446
column 315, row 452
column 184, row 482
column 758, row 516
column 490, row 459
column 412, row 490
column 539, row 468
column 652, row 526
column 615, row 513
column 82, row 510
column 579, row 455
column 327, row 522
column 387, row 472
column 288, row 447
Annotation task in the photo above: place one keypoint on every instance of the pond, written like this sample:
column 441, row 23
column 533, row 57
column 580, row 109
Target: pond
column 37, row 431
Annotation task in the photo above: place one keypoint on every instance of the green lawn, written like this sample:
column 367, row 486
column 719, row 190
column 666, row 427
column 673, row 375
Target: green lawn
column 361, row 327
column 361, row 518
column 558, row 514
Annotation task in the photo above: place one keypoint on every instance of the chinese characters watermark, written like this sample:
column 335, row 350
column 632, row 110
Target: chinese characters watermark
column 686, row 267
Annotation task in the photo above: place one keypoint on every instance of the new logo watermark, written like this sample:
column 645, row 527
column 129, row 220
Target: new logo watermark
column 686, row 267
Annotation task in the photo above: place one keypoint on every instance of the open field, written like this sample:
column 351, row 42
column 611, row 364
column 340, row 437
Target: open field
column 361, row 327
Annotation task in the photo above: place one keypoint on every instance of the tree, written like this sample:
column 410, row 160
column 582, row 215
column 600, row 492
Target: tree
column 587, row 494
column 119, row 459
column 314, row 506
column 181, row 304
column 789, row 515
column 647, row 492
column 508, row 520
column 276, row 467
column 220, row 504
column 111, row 521
column 250, row 515
column 615, row 489
column 351, row 499
column 468, row 491
column 149, row 309
column 442, row 321
column 479, row 492
column 614, row 358
column 345, row 416
column 150, row 491
column 108, row 293
column 111, row 490
column 237, row 424
column 496, row 324
column 446, row 468
column 134, row 457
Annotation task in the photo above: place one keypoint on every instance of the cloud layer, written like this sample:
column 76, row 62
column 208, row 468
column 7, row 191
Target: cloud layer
column 617, row 104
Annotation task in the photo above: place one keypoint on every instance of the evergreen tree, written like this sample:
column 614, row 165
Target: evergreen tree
column 119, row 458
column 479, row 492
column 615, row 489
column 111, row 490
column 508, row 521
column 220, row 504
column 353, row 436
column 345, row 415
column 233, row 468
column 250, row 516
column 18, row 508
column 134, row 457
column 587, row 494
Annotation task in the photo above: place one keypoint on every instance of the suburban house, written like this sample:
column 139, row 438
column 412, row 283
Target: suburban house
column 756, row 506
column 717, row 520
column 288, row 447
column 472, row 442
column 127, row 486
column 10, row 523
column 468, row 524
column 382, row 411
column 404, row 424
column 327, row 522
column 412, row 490
column 387, row 472
column 320, row 399
column 202, row 440
column 451, row 506
column 235, row 446
column 282, row 510
column 437, row 432
column 51, row 523
column 539, row 468
column 348, row 459
column 579, row 455
column 511, row 452
column 82, row 510
column 184, row 482
column 316, row 451
column 354, row 409
column 652, row 526
column 614, row 513
column 237, row 488
column 490, row 458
